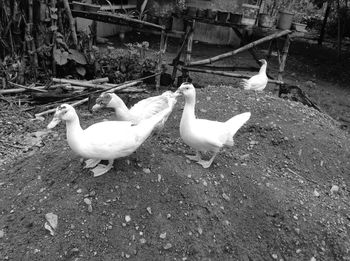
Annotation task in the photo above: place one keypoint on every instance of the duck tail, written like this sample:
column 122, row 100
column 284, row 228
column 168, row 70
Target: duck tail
column 236, row 122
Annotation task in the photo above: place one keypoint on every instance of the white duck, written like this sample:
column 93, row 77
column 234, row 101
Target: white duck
column 259, row 81
column 205, row 135
column 144, row 109
column 106, row 140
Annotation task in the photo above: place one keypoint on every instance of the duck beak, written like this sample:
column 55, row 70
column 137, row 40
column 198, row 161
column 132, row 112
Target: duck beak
column 177, row 93
column 96, row 107
column 54, row 122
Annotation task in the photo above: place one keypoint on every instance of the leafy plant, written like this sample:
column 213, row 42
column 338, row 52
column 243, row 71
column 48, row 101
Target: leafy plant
column 126, row 64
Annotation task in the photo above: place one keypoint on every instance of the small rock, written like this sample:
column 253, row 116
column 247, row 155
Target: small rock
column 313, row 259
column 2, row 233
column 316, row 193
column 334, row 189
column 224, row 195
column 92, row 193
column 142, row 241
column 87, row 201
column 298, row 251
column 149, row 210
column 274, row 256
column 162, row 235
column 168, row 246
column 127, row 218
column 146, row 170
column 159, row 178
column 79, row 191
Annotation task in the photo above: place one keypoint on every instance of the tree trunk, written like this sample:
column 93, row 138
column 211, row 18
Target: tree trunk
column 324, row 23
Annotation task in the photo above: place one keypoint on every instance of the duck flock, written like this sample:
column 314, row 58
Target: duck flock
column 109, row 140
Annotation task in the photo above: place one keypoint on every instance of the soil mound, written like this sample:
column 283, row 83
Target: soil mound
column 280, row 193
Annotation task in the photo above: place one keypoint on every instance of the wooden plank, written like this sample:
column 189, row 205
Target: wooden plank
column 116, row 18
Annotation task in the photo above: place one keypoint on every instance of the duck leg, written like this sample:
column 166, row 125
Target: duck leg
column 207, row 164
column 197, row 157
column 101, row 169
column 90, row 163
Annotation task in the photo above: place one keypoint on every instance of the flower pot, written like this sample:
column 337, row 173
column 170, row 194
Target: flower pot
column 264, row 20
column 235, row 18
column 285, row 20
column 191, row 11
column 299, row 27
column 201, row 13
column 211, row 14
column 250, row 13
column 222, row 16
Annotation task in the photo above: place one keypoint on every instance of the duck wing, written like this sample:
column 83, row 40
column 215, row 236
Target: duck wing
column 257, row 82
column 110, row 140
column 146, row 108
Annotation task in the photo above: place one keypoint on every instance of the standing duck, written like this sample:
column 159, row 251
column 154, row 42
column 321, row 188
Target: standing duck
column 144, row 109
column 205, row 135
column 106, row 140
column 259, row 81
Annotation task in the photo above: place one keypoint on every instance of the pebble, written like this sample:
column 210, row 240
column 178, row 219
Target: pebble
column 224, row 195
column 316, row 193
column 2, row 233
column 127, row 218
column 313, row 259
column 146, row 170
column 142, row 241
column 334, row 189
column 274, row 256
column 87, row 201
column 149, row 210
column 168, row 246
column 162, row 235
column 79, row 191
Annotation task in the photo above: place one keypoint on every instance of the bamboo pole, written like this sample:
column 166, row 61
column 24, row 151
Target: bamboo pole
column 79, row 83
column 235, row 75
column 25, row 87
column 71, row 23
column 241, row 49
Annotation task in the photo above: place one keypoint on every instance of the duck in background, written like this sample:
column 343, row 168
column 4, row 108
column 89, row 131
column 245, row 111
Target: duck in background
column 206, row 135
column 144, row 109
column 259, row 81
column 107, row 140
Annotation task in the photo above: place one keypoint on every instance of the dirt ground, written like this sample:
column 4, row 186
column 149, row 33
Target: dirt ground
column 281, row 193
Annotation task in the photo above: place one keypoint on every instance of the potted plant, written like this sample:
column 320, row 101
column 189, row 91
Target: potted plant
column 298, row 24
column 165, row 17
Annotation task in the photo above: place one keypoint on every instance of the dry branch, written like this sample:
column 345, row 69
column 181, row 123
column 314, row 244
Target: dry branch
column 236, row 75
column 241, row 49
column 117, row 88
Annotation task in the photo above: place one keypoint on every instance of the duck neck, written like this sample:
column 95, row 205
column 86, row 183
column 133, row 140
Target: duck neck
column 188, row 113
column 74, row 133
column 121, row 111
column 263, row 69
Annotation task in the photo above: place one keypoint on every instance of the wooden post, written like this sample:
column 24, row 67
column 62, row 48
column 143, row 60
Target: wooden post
column 162, row 46
column 180, row 51
column 71, row 23
column 185, row 74
column 282, row 61
column 324, row 23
